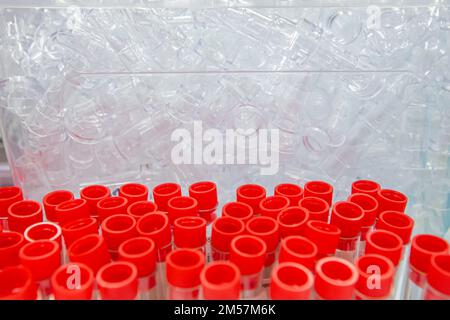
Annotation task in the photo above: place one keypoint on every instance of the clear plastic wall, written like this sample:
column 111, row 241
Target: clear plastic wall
column 91, row 92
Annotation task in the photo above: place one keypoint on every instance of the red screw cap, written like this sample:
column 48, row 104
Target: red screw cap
column 134, row 192
column 77, row 229
column 141, row 208
column 10, row 244
column 189, row 232
column 71, row 210
column 376, row 277
column 318, row 209
column 41, row 257
column 23, row 214
column 439, row 273
column 117, row 229
column 398, row 223
column 272, row 206
column 291, row 191
column 369, row 205
column 335, row 279
column 90, row 250
column 423, row 248
column 141, row 252
column 391, row 200
column 266, row 229
column 224, row 229
column 110, row 207
column 93, row 194
column 386, row 244
column 164, row 192
column 299, row 250
column 291, row 281
column 248, row 253
column 325, row 236
column 73, row 281
column 348, row 217
column 8, row 196
column 367, row 187
column 237, row 210
column 52, row 200
column 183, row 268
column 118, row 281
column 251, row 194
column 16, row 283
column 156, row 226
column 43, row 231
column 319, row 189
column 205, row 192
column 182, row 207
column 292, row 221
column 220, row 280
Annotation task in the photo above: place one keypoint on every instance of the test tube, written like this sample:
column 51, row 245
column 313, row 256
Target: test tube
column 348, row 217
column 8, row 196
column 438, row 278
column 90, row 250
column 376, row 277
column 71, row 210
column 291, row 281
column 141, row 208
column 183, row 274
column 325, row 236
column 299, row 250
column 10, row 244
column 77, row 229
column 318, row 209
column 391, row 200
column 182, row 207
column 220, row 280
column 291, row 191
column 335, row 279
column 111, row 206
column 251, row 194
column 23, row 214
column 73, row 281
column 134, row 192
column 386, row 244
column 16, row 283
column 423, row 248
column 366, row 187
column 273, row 205
column 93, row 194
column 52, row 199
column 142, row 253
column 237, row 210
column 292, row 221
column 319, row 189
column 248, row 253
column 224, row 229
column 42, row 258
column 45, row 231
column 118, row 281
column 190, row 232
column 162, row 193
column 116, row 229
column 205, row 192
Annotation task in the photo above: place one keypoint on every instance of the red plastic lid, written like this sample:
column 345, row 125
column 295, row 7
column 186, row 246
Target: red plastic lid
column 224, row 229
column 273, row 205
column 17, row 283
column 299, row 250
column 43, row 231
column 398, row 223
column 182, row 207
column 155, row 226
column 318, row 209
column 110, row 207
column 52, row 200
column 266, row 229
column 348, row 217
column 370, row 206
column 183, row 267
column 292, row 221
column 205, row 192
column 251, row 194
column 376, row 276
column 8, row 196
column 90, row 250
column 248, row 253
column 367, row 187
column 23, row 214
column 386, row 244
column 79, row 228
column 319, row 189
column 325, row 236
column 438, row 275
column 141, row 208
column 391, row 200
column 220, row 280
column 189, row 232
column 93, row 194
column 237, row 210
column 164, row 192
column 72, row 210
column 118, row 281
column 117, row 229
column 291, row 281
column 141, row 252
column 10, row 244
column 291, row 191
column 134, row 192
column 335, row 279
column 73, row 281
column 41, row 257
column 423, row 248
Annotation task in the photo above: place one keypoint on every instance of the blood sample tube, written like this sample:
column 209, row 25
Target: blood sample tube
column 319, row 189
column 23, row 214
column 182, row 207
column 141, row 208
column 299, row 250
column 292, row 221
column 386, row 244
column 376, row 277
column 45, row 231
column 367, row 187
column 273, row 205
column 220, row 280
column 164, row 192
column 8, row 196
column 52, row 200
column 205, row 192
column 291, row 191
column 391, row 200
column 224, row 229
column 317, row 208
column 77, row 229
column 291, row 281
column 237, row 210
column 134, row 192
column 325, row 236
column 190, row 233
column 72, row 210
column 16, row 283
column 118, row 280
column 10, row 244
column 73, row 281
column 110, row 207
column 90, row 250
column 117, row 229
column 438, row 278
column 251, row 194
column 93, row 194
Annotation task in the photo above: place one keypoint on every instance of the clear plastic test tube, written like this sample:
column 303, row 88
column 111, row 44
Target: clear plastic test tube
column 118, row 280
column 273, row 205
column 134, row 192
column 220, row 280
column 291, row 191
column 52, row 199
column 391, row 200
column 141, row 208
column 182, row 207
column 162, row 193
column 318, row 209
column 8, row 196
column 438, row 278
column 319, row 189
column 10, row 244
column 117, row 229
column 16, row 283
column 111, row 206
column 291, row 281
column 77, row 229
column 366, row 187
column 71, row 210
column 224, row 229
column 73, row 281
column 190, row 232
column 292, row 221
column 90, row 250
column 376, row 277
column 23, row 214
column 386, row 244
column 237, row 210
column 93, row 194
column 251, row 194
column 325, row 236
column 300, row 250
column 45, row 231
column 205, row 192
